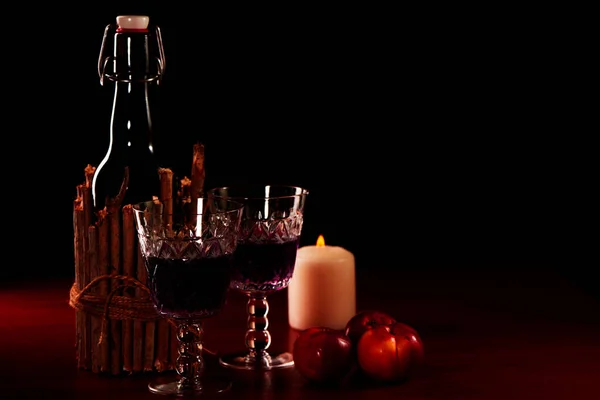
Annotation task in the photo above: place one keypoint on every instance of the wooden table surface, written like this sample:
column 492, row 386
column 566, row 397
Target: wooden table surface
column 503, row 331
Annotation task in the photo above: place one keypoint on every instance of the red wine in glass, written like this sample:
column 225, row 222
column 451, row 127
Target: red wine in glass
column 264, row 263
column 189, row 288
column 188, row 258
column 264, row 266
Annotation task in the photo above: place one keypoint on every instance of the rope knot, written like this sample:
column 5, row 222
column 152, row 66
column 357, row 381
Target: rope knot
column 113, row 306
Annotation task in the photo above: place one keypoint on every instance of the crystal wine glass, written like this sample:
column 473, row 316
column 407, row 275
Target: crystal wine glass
column 188, row 257
column 263, row 262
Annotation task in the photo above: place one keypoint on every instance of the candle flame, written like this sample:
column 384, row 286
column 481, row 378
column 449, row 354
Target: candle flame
column 321, row 241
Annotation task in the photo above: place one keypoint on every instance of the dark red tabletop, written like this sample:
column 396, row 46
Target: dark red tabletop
column 491, row 331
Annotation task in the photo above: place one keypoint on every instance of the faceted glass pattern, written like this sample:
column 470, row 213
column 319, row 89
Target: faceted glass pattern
column 277, row 227
column 211, row 234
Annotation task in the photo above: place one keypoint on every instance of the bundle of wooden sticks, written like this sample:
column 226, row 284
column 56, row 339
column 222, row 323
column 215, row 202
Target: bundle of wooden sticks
column 117, row 329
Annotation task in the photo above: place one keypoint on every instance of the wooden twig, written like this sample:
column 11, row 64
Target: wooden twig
column 129, row 264
column 88, row 202
column 198, row 172
column 174, row 347
column 149, row 326
column 96, row 321
column 197, row 181
column 85, row 194
column 139, row 334
column 116, row 269
column 161, row 362
column 78, row 226
column 104, row 268
column 166, row 197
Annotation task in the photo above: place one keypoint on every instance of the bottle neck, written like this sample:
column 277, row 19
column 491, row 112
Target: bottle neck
column 131, row 122
column 132, row 56
column 131, row 97
column 132, row 146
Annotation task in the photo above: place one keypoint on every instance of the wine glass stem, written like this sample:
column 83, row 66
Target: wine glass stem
column 258, row 338
column 190, row 364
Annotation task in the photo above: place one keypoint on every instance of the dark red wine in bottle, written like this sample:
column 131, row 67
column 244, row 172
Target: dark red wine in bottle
column 128, row 173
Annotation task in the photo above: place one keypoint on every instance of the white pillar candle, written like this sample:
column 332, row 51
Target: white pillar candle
column 322, row 291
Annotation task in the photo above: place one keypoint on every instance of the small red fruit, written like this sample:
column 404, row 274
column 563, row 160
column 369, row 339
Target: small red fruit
column 364, row 321
column 322, row 354
column 390, row 352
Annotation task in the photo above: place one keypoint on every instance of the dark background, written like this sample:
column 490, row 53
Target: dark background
column 425, row 138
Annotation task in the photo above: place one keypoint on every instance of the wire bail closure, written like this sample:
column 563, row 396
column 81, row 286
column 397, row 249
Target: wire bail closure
column 104, row 60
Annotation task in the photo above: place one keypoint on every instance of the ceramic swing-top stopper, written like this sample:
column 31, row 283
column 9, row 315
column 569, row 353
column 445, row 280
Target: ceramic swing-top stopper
column 137, row 22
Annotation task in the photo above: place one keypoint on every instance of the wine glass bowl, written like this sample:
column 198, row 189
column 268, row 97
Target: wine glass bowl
column 268, row 240
column 188, row 259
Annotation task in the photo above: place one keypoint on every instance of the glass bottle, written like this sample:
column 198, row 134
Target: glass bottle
column 128, row 173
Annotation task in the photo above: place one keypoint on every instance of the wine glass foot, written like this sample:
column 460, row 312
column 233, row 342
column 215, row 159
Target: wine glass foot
column 208, row 388
column 267, row 362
